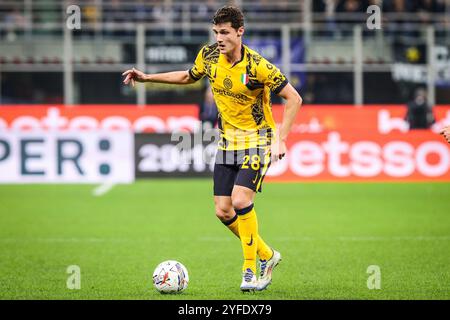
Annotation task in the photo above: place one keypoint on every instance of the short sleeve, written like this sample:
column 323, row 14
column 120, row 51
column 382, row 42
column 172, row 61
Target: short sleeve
column 198, row 69
column 271, row 76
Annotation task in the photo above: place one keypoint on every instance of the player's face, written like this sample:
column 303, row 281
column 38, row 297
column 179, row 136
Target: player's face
column 227, row 37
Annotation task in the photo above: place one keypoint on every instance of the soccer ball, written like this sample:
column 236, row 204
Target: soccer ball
column 170, row 277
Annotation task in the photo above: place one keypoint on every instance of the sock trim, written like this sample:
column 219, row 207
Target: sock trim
column 227, row 223
column 244, row 210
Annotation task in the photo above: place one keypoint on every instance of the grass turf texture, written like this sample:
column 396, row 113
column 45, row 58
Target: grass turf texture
column 328, row 234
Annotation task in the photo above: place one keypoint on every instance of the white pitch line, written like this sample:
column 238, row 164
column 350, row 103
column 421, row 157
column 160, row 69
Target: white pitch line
column 60, row 240
column 341, row 238
column 102, row 189
column 225, row 239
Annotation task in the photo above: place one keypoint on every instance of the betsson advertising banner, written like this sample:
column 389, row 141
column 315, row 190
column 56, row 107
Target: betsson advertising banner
column 327, row 143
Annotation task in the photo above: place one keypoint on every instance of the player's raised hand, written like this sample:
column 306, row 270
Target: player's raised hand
column 446, row 133
column 133, row 75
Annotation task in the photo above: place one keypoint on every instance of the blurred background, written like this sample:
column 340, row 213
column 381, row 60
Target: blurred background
column 324, row 47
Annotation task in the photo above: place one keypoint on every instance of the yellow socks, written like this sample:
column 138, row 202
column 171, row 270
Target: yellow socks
column 233, row 225
column 263, row 250
column 247, row 226
column 248, row 232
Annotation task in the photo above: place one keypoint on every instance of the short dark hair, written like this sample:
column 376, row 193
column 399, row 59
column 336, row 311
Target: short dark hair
column 229, row 14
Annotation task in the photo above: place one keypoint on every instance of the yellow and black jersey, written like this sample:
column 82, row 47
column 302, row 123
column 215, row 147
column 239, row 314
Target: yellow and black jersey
column 242, row 95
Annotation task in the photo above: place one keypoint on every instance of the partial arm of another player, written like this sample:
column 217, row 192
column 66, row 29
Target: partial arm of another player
column 293, row 104
column 446, row 133
column 175, row 77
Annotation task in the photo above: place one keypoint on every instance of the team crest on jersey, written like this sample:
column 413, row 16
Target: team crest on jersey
column 227, row 83
column 244, row 78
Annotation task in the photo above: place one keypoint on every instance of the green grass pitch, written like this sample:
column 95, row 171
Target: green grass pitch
column 328, row 234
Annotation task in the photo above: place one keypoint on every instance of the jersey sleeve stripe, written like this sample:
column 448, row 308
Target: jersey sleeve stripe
column 194, row 77
column 281, row 86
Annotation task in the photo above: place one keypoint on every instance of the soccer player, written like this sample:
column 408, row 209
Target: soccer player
column 242, row 82
column 446, row 133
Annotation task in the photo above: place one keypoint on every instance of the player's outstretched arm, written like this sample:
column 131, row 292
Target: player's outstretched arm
column 293, row 103
column 446, row 133
column 175, row 77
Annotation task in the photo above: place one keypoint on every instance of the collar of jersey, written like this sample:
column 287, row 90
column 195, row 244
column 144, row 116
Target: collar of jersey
column 242, row 57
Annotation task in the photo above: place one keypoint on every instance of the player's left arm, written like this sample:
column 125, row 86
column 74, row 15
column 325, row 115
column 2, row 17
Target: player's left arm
column 293, row 104
column 277, row 82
